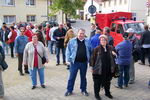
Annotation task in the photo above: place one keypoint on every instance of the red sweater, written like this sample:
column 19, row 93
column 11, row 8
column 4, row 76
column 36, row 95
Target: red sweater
column 29, row 33
column 13, row 36
column 47, row 34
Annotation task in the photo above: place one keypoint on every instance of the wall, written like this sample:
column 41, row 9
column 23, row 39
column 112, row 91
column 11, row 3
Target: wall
column 138, row 7
column 21, row 10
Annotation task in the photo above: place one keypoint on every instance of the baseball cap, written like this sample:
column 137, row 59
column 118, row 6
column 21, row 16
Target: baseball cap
column 130, row 30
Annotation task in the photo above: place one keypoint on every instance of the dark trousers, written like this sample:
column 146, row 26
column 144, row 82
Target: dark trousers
column 144, row 52
column 74, row 67
column 20, row 60
column 58, row 54
column 12, row 49
column 98, row 81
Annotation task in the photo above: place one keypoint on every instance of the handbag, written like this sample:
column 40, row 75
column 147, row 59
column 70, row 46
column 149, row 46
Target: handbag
column 43, row 58
column 4, row 65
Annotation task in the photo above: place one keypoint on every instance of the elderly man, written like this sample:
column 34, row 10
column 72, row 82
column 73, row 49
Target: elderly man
column 77, row 54
column 59, row 36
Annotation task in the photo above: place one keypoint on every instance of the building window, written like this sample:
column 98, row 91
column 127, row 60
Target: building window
column 109, row 2
column 9, row 2
column 30, row 2
column 120, row 2
column 31, row 18
column 9, row 19
column 115, row 2
column 125, row 1
column 104, row 4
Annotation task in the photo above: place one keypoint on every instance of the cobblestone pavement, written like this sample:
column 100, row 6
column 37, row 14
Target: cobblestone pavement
column 19, row 87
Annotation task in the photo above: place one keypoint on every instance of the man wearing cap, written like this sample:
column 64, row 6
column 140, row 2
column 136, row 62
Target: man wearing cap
column 124, row 51
column 133, row 40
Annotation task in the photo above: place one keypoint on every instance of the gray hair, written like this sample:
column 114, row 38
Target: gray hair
column 107, row 29
column 81, row 29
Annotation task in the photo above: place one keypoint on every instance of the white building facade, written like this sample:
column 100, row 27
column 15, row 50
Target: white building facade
column 96, row 3
column 148, row 12
column 137, row 7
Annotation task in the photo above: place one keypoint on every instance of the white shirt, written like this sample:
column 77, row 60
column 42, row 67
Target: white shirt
column 10, row 34
column 51, row 32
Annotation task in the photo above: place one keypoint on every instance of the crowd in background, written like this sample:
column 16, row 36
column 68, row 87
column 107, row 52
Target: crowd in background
column 28, row 42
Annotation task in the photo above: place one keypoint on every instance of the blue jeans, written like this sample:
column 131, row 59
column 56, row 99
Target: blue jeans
column 73, row 73
column 124, row 75
column 33, row 74
column 52, row 47
column 58, row 55
column 5, row 47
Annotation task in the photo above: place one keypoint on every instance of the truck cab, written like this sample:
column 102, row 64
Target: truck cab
column 119, row 22
column 119, row 27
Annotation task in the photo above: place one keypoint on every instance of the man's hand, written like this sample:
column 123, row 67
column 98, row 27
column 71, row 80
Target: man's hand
column 114, row 53
column 58, row 38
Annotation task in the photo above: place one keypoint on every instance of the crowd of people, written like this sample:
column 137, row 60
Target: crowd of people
column 29, row 44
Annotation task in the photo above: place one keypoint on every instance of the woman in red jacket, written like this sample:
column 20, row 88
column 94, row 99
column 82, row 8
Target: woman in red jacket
column 12, row 36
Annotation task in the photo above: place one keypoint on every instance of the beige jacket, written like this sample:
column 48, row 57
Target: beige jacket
column 28, row 56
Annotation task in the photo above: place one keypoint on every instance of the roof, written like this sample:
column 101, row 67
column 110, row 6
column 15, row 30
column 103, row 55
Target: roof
column 127, row 21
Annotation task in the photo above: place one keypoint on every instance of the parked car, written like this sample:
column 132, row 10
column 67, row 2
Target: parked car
column 50, row 22
column 71, row 20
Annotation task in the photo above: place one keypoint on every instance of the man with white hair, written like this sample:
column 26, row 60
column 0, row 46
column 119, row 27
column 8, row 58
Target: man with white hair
column 77, row 55
column 133, row 40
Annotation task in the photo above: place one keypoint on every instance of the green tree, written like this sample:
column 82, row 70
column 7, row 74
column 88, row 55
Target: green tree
column 68, row 7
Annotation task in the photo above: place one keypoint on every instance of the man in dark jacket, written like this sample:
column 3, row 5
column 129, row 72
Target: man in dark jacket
column 4, row 38
column 93, row 30
column 145, row 42
column 59, row 36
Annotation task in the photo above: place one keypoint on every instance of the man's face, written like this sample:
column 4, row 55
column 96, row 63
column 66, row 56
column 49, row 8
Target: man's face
column 61, row 26
column 81, row 34
column 22, row 30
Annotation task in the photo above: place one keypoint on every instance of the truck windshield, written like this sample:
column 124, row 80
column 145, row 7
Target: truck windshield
column 138, row 27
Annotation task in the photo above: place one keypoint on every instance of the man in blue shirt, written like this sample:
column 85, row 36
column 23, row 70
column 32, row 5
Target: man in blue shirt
column 94, row 41
column 124, row 50
column 20, row 44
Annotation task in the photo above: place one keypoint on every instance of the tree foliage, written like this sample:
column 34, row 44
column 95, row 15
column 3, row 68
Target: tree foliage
column 68, row 7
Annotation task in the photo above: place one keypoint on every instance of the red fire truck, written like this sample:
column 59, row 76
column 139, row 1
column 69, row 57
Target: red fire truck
column 119, row 22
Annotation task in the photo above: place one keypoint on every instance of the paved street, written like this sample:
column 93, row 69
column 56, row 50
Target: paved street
column 19, row 87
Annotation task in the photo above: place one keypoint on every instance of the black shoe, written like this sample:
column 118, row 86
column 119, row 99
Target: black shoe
column 43, row 86
column 64, row 63
column 98, row 98
column 142, row 63
column 57, row 64
column 117, row 86
column 85, row 93
column 68, row 93
column 109, row 95
column 27, row 72
column 33, row 87
column 68, row 68
column 126, row 85
column 21, row 74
